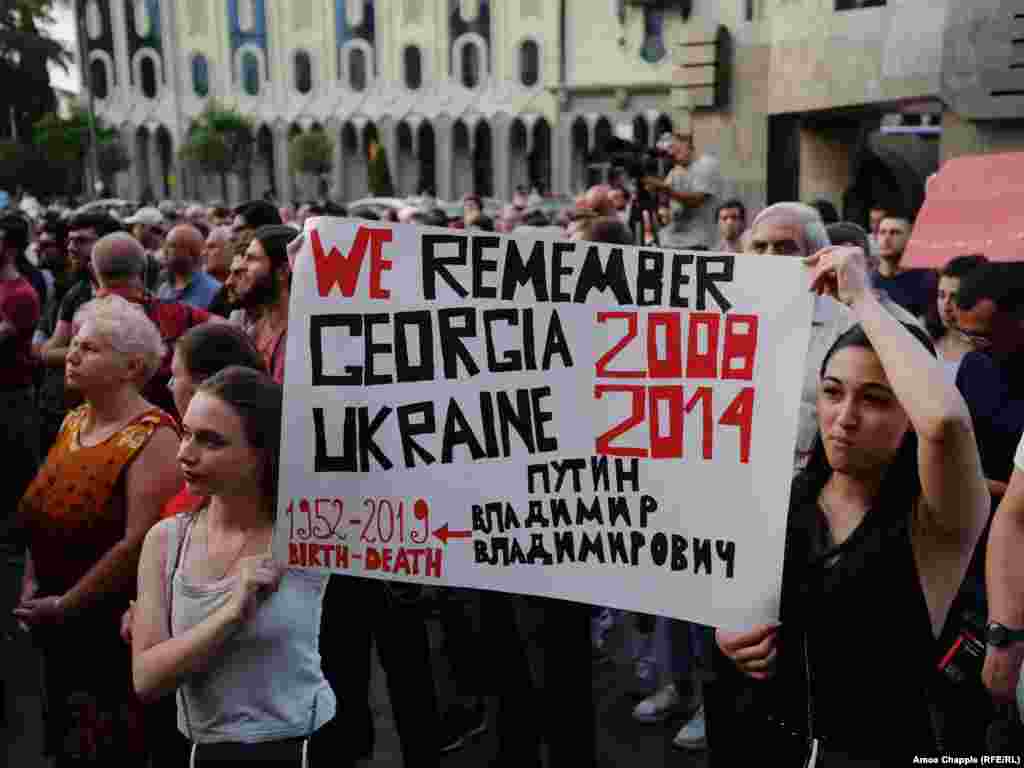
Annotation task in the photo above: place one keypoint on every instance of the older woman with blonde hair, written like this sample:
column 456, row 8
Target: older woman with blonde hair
column 102, row 487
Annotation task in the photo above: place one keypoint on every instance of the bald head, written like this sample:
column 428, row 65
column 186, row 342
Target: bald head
column 183, row 248
column 118, row 258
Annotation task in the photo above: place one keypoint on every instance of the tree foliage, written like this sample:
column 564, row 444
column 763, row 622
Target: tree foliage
column 311, row 152
column 378, row 172
column 62, row 147
column 220, row 142
column 25, row 52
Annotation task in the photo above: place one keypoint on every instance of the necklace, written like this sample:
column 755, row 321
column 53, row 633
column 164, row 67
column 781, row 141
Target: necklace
column 238, row 552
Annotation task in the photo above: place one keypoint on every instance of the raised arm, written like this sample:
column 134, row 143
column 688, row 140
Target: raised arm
column 1004, row 580
column 956, row 498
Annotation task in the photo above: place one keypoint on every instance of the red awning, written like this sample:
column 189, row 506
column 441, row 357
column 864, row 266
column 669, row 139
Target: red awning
column 973, row 205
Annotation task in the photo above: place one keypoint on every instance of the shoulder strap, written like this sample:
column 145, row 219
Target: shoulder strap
column 181, row 529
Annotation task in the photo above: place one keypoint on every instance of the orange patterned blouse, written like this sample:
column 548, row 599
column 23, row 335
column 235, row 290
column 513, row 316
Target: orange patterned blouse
column 74, row 510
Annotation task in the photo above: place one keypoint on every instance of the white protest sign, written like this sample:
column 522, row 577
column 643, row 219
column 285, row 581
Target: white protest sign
column 590, row 422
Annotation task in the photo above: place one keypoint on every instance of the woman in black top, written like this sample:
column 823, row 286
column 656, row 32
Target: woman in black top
column 882, row 526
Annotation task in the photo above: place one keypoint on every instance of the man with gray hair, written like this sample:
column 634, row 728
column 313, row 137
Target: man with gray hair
column 796, row 230
column 119, row 263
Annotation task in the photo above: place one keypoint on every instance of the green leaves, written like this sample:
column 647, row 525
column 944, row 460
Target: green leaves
column 220, row 141
column 311, row 152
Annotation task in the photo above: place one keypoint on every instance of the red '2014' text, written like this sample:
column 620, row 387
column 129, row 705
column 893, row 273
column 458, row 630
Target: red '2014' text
column 666, row 437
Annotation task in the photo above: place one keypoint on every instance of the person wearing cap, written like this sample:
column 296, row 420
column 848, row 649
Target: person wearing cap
column 19, row 312
column 147, row 226
column 693, row 187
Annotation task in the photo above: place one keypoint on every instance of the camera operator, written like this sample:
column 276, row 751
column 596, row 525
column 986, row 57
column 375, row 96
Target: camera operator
column 693, row 187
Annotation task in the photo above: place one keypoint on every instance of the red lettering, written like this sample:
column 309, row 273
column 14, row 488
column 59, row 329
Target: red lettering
column 434, row 558
column 703, row 395
column 334, row 268
column 385, row 560
column 402, row 562
column 372, row 560
column 667, row 446
column 378, row 263
column 639, row 401
column 740, row 414
column 297, row 553
column 672, row 366
column 703, row 365
column 314, row 554
column 740, row 347
column 602, row 363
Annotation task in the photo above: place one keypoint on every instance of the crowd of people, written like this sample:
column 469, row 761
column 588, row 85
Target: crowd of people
column 141, row 388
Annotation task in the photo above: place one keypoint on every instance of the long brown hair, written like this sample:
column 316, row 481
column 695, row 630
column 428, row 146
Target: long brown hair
column 258, row 400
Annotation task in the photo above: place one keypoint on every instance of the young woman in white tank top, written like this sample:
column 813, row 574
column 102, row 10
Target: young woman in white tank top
column 232, row 633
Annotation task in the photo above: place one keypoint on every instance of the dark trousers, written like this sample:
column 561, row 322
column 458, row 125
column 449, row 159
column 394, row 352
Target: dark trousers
column 356, row 613
column 546, row 698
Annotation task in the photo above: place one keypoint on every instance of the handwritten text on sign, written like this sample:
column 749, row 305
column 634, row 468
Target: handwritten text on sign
column 604, row 424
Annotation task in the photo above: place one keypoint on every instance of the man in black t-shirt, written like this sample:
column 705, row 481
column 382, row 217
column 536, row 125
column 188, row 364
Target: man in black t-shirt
column 912, row 289
column 83, row 232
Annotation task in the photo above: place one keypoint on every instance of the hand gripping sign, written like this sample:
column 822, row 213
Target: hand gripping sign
column 590, row 422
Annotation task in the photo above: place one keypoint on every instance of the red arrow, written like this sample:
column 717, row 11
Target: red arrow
column 444, row 534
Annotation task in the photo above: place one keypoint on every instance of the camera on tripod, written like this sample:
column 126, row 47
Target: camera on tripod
column 638, row 161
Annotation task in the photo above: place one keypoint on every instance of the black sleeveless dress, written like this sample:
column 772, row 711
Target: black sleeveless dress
column 857, row 618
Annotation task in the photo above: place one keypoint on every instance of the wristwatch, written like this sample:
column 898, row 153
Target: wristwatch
column 999, row 636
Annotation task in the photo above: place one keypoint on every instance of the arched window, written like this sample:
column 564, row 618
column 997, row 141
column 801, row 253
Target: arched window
column 250, row 73
column 412, row 61
column 98, row 78
column 200, row 75
column 529, row 63
column 147, row 77
column 357, row 69
column 303, row 72
column 470, row 65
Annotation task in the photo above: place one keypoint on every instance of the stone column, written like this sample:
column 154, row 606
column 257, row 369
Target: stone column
column 128, row 181
column 282, row 171
column 156, row 166
column 501, row 155
column 387, row 134
column 443, row 156
column 336, row 190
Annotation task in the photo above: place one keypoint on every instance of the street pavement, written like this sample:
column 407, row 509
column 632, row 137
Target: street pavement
column 620, row 740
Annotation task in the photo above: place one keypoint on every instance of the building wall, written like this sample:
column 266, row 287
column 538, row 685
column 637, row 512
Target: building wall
column 792, row 57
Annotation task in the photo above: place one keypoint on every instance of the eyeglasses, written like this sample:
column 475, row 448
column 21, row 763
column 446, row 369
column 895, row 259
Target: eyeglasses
column 977, row 338
column 81, row 240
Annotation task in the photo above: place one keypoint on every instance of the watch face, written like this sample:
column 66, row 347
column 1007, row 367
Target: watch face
column 997, row 635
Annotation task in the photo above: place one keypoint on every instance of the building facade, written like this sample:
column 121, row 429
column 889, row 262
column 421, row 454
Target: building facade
column 847, row 100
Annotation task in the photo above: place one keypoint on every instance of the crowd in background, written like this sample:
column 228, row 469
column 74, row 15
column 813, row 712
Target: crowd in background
column 142, row 363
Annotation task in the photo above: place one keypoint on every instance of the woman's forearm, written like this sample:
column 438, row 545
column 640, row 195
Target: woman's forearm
column 160, row 669
column 114, row 572
column 930, row 399
column 1004, row 566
